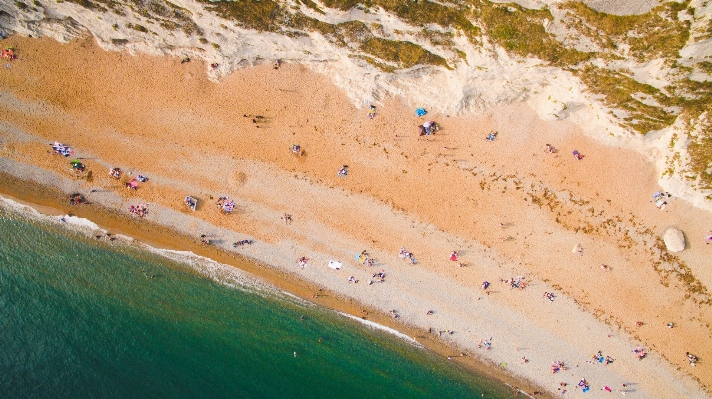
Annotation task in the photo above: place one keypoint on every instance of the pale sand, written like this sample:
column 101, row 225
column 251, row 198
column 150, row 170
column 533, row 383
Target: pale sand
column 449, row 192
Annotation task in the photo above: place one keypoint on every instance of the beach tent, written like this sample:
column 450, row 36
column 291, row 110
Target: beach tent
column 674, row 240
column 334, row 265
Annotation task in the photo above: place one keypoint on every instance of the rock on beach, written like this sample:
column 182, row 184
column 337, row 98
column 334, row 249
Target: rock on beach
column 674, row 240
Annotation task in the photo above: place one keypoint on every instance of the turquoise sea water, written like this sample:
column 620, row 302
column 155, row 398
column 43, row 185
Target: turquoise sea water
column 79, row 319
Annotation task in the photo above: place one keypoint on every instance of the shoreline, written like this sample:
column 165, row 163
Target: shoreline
column 450, row 191
column 48, row 203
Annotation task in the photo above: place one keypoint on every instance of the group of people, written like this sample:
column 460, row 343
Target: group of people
column 598, row 357
column 62, row 149
column 9, row 53
column 77, row 165
column 302, row 262
column 660, row 199
column 343, row 171
column 428, row 128
column 516, row 282
column 115, row 173
column 640, row 353
column 380, row 276
column 140, row 210
column 76, row 199
column 226, row 204
column 241, row 243
column 364, row 259
column 557, row 366
column 403, row 254
column 691, row 358
column 132, row 184
column 191, row 202
column 548, row 295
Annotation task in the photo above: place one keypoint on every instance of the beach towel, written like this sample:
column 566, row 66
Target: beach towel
column 334, row 265
column 420, row 111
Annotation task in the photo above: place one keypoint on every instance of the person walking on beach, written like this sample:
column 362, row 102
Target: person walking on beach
column 453, row 256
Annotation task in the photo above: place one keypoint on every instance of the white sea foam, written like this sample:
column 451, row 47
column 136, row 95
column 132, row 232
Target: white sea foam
column 10, row 205
column 74, row 223
column 220, row 273
column 381, row 327
column 80, row 223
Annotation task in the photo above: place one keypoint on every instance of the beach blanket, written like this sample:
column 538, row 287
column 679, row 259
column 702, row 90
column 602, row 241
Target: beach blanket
column 420, row 111
column 62, row 149
column 191, row 202
column 335, row 265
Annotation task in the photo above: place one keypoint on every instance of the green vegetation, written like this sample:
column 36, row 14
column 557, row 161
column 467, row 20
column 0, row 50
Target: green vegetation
column 137, row 27
column 260, row 15
column 705, row 66
column 312, row 5
column 521, row 31
column 656, row 34
column 100, row 5
column 620, row 91
column 406, row 54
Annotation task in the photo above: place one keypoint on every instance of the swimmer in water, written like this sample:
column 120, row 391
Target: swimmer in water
column 295, row 354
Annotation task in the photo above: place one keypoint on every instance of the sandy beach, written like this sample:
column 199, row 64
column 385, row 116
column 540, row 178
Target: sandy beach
column 506, row 206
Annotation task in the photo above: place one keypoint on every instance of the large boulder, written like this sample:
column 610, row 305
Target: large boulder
column 674, row 240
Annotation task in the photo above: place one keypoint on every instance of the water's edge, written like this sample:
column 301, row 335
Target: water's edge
column 158, row 239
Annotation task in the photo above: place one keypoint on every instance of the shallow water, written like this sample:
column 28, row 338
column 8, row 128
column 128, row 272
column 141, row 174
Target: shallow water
column 83, row 318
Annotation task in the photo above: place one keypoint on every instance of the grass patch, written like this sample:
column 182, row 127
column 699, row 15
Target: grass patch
column 380, row 65
column 705, row 66
column 618, row 91
column 405, row 54
column 521, row 31
column 262, row 15
column 137, row 27
column 656, row 34
column 312, row 5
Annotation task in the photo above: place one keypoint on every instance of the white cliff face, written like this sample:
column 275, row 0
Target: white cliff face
column 478, row 77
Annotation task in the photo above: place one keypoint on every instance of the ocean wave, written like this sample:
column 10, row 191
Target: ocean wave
column 383, row 328
column 74, row 223
column 221, row 273
column 16, row 207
